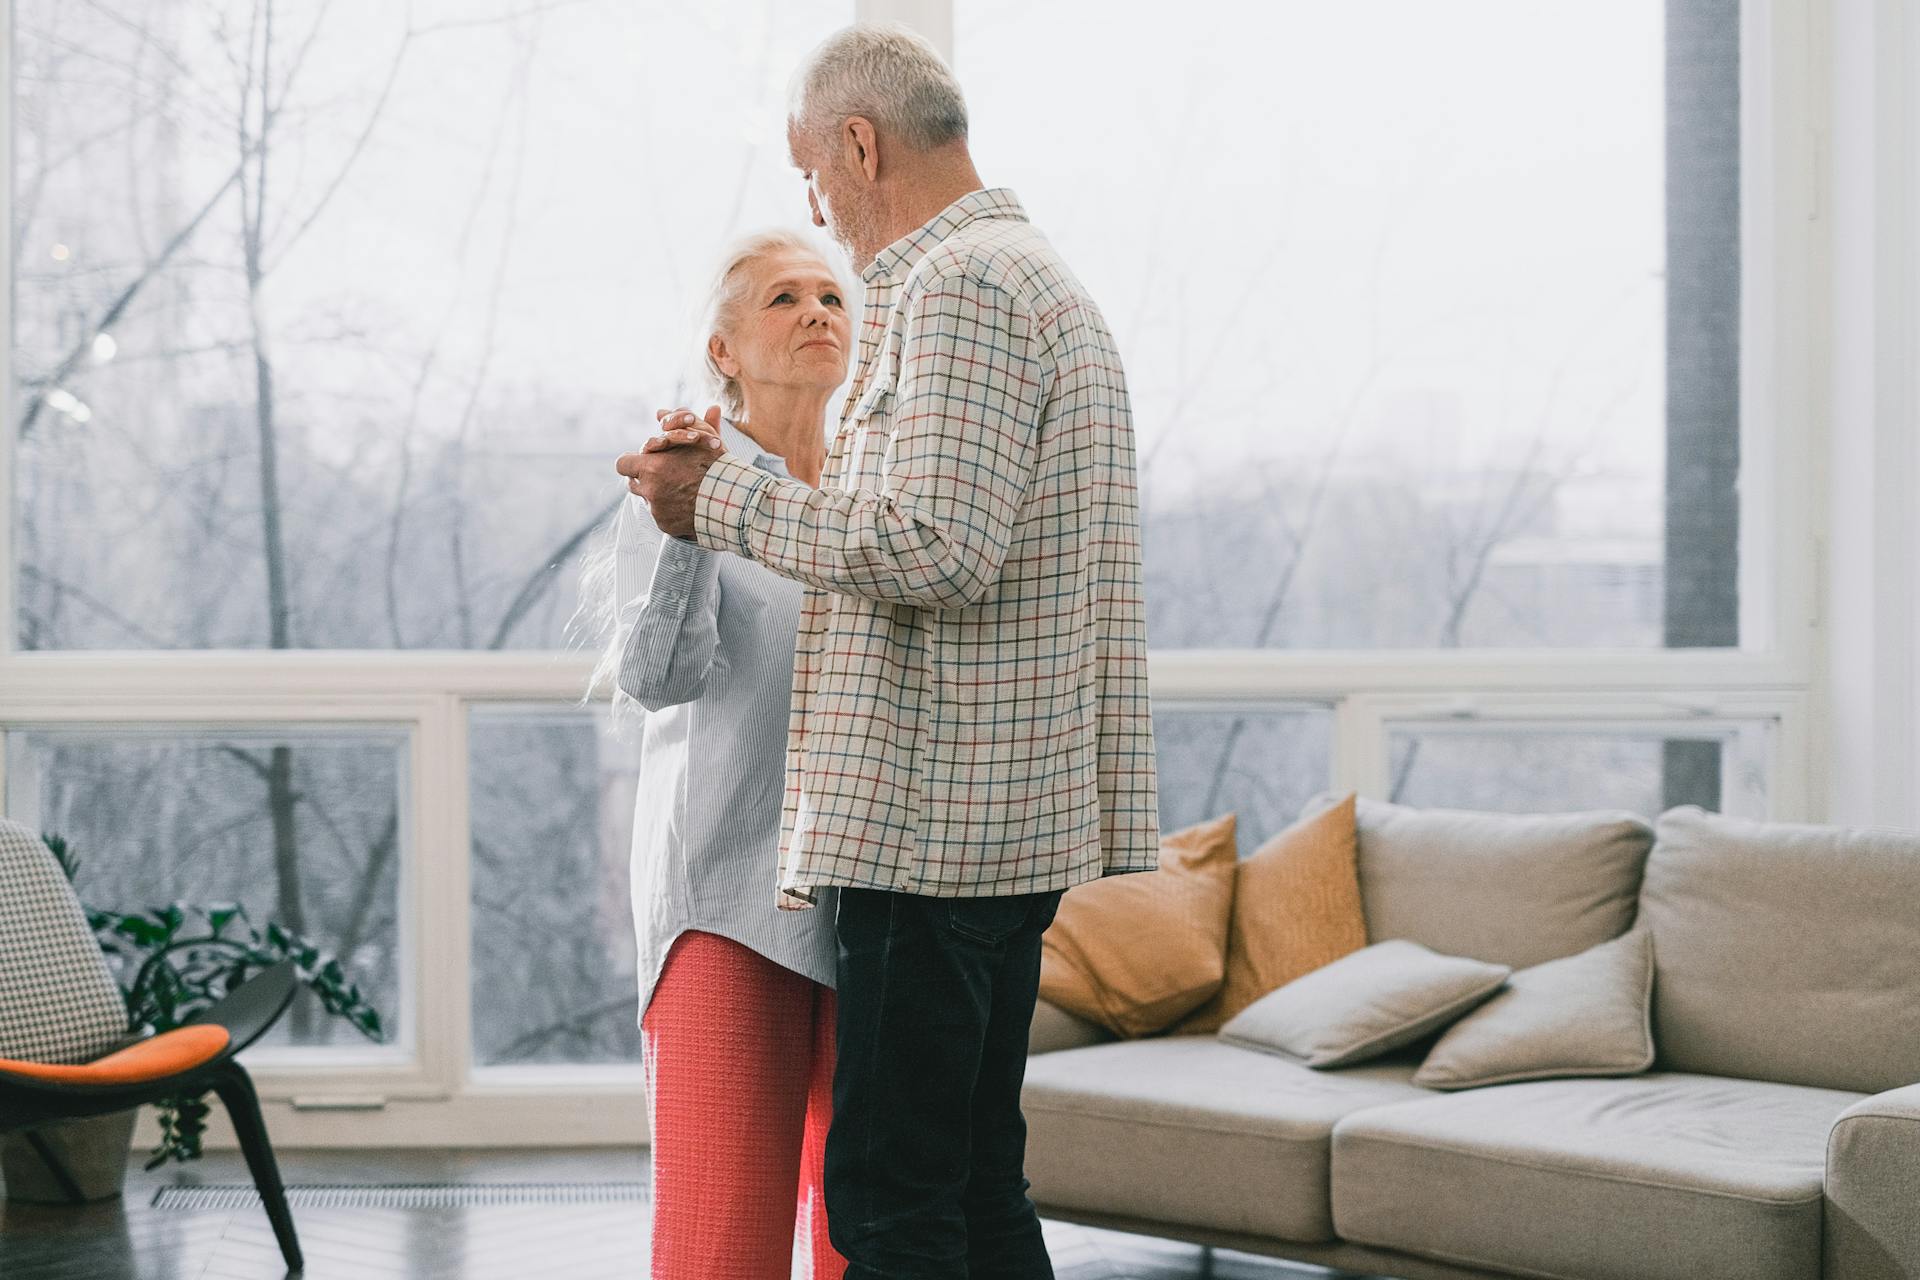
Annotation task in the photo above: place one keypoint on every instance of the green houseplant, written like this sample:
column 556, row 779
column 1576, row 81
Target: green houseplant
column 173, row 961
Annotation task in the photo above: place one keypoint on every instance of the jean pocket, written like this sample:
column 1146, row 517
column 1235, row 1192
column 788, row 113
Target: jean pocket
column 988, row 921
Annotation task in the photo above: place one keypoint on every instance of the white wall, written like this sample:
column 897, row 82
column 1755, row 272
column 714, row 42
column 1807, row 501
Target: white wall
column 1872, row 554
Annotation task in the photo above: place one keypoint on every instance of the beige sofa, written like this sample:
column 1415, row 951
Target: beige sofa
column 1778, row 1137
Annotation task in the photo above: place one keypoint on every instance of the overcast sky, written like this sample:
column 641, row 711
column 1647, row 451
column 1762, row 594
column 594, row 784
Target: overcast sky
column 1428, row 236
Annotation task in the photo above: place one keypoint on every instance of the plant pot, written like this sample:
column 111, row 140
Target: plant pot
column 94, row 1152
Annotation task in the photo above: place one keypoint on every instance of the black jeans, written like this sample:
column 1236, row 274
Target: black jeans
column 925, row 1175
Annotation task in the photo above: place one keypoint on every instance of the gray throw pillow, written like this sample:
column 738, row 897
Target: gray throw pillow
column 1585, row 1015
column 1365, row 1004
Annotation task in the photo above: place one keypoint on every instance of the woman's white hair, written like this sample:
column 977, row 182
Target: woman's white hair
column 596, row 622
column 886, row 72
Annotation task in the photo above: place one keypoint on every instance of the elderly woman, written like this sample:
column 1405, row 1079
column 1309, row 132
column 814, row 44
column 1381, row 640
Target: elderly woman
column 737, row 1000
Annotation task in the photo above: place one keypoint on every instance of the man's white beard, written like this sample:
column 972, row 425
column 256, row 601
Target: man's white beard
column 848, row 230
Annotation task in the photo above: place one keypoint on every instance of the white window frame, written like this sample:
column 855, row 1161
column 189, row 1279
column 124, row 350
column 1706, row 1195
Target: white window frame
column 1779, row 718
column 437, row 1098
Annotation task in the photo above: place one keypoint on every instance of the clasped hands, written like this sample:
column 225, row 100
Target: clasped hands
column 669, row 467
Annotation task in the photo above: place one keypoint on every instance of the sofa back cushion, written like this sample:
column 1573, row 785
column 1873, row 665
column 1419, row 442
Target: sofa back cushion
column 1136, row 953
column 1296, row 907
column 1511, row 889
column 1785, row 952
column 58, row 1000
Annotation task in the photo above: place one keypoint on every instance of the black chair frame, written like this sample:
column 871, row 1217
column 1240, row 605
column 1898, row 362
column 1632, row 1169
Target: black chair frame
column 28, row 1104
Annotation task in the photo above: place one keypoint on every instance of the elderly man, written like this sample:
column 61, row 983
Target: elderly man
column 970, row 732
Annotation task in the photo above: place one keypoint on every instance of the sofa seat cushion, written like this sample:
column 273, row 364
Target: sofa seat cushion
column 1194, row 1131
column 1660, row 1177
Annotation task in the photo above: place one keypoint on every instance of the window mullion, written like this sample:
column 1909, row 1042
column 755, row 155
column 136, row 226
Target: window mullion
column 9, row 622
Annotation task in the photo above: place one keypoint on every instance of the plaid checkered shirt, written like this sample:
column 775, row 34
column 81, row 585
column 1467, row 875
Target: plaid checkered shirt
column 970, row 713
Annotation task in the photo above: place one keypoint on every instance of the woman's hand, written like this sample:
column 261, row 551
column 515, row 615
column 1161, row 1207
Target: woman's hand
column 669, row 467
column 681, row 427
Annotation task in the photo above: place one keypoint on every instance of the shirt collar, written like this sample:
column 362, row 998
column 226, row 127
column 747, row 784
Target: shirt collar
column 742, row 445
column 900, row 257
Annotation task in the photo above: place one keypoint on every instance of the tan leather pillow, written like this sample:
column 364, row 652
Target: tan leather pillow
column 1296, row 908
column 1135, row 952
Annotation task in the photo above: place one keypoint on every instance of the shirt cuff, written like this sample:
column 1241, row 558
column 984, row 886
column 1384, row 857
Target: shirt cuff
column 725, row 503
column 674, row 573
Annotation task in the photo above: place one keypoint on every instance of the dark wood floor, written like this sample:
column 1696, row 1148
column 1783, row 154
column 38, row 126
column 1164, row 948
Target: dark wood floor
column 130, row 1239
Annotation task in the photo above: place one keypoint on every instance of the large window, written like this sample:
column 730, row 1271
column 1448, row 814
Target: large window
column 327, row 322
column 1391, row 279
column 306, row 827
column 1467, row 347
column 1260, row 762
column 330, row 317
column 1561, row 767
column 553, row 939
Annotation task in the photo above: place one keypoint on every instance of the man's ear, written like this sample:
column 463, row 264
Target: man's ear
column 862, row 146
column 722, row 356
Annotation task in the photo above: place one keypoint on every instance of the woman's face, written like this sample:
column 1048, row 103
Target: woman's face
column 791, row 328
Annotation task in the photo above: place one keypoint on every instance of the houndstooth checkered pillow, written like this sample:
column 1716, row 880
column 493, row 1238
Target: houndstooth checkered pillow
column 58, row 1002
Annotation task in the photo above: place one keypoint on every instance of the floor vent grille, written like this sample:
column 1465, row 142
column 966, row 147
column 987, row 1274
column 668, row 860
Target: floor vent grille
column 411, row 1195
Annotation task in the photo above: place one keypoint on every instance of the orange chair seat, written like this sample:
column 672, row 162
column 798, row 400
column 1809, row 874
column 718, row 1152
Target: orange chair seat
column 167, row 1054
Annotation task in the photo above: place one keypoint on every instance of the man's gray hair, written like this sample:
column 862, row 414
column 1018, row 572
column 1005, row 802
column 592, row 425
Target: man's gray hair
column 888, row 73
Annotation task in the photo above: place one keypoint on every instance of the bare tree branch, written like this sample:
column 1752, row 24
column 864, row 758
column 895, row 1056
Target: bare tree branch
column 246, row 758
column 463, row 595
column 354, row 152
column 501, row 19
column 368, row 882
column 119, row 305
column 540, row 580
column 578, row 1023
column 60, row 586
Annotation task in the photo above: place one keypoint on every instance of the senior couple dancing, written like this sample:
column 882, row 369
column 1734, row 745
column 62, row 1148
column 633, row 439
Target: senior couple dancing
column 897, row 702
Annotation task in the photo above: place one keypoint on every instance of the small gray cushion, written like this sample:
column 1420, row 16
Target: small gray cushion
column 1512, row 889
column 1586, row 1015
column 1363, row 1005
column 1786, row 952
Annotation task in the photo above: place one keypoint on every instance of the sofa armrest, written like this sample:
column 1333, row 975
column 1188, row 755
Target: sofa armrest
column 1873, row 1189
column 1055, row 1029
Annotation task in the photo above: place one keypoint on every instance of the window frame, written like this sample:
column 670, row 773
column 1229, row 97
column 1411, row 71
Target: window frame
column 1781, row 719
column 436, row 1097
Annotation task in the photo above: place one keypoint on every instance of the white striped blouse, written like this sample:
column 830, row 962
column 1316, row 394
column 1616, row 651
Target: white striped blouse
column 710, row 655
